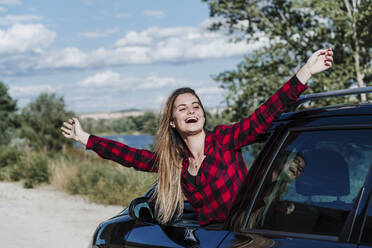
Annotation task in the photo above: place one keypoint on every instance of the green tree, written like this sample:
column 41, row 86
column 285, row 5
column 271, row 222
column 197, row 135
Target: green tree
column 146, row 123
column 150, row 123
column 123, row 125
column 41, row 122
column 215, row 119
column 290, row 30
column 8, row 117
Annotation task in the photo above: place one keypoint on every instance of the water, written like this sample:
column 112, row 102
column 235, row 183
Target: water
column 142, row 141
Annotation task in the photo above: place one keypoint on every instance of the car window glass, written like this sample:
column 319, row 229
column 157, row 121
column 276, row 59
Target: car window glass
column 250, row 152
column 313, row 182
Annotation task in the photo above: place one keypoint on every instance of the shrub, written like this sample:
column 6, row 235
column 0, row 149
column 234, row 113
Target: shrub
column 99, row 180
column 8, row 115
column 41, row 121
column 36, row 171
column 16, row 165
column 10, row 158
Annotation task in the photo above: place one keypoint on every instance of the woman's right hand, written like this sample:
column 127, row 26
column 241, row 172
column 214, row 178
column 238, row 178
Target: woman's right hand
column 72, row 130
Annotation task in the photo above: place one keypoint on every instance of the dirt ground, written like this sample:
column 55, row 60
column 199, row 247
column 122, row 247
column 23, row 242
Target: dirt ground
column 47, row 217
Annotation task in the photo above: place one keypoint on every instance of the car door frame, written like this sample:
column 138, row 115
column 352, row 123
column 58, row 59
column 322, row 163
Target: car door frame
column 353, row 225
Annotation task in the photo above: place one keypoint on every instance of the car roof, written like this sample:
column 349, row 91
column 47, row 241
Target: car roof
column 341, row 110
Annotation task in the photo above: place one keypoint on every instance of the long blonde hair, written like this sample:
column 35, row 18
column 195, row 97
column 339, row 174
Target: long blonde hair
column 170, row 151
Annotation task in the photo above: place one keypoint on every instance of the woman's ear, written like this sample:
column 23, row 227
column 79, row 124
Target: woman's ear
column 172, row 124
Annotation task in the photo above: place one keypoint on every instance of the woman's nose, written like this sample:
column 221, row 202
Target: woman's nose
column 190, row 111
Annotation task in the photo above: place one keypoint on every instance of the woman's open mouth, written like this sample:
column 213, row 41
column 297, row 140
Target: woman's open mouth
column 191, row 120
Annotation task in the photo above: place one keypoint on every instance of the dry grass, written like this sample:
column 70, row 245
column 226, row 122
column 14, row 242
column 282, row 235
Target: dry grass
column 62, row 172
column 101, row 181
column 75, row 171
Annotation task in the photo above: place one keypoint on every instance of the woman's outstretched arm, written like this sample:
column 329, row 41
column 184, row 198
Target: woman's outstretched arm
column 139, row 159
column 245, row 132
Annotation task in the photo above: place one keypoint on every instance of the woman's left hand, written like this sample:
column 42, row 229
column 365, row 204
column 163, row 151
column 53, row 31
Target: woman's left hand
column 319, row 61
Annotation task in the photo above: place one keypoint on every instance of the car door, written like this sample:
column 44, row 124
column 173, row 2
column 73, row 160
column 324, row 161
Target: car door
column 314, row 193
column 184, row 231
column 176, row 235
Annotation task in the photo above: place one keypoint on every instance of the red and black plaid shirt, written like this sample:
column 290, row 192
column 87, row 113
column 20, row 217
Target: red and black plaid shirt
column 223, row 169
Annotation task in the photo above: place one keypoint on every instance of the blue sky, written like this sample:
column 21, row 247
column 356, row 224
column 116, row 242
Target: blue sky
column 112, row 55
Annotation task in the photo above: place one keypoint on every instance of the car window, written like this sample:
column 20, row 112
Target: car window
column 313, row 182
column 250, row 152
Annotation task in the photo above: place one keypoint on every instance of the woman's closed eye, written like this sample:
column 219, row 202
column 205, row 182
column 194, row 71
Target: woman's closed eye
column 196, row 105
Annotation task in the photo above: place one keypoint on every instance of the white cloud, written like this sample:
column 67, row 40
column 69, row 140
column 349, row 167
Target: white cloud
column 116, row 91
column 153, row 13
column 21, row 38
column 160, row 100
column 69, row 57
column 219, row 49
column 123, row 15
column 119, row 91
column 162, row 33
column 209, row 90
column 150, row 46
column 13, row 19
column 105, row 79
column 75, row 58
column 10, row 2
column 134, row 38
column 181, row 44
column 2, row 9
column 116, row 81
column 29, row 91
column 94, row 35
column 153, row 81
column 88, row 2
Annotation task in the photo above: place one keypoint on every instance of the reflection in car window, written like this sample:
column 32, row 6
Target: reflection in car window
column 313, row 182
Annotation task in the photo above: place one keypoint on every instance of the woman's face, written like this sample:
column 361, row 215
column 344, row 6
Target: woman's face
column 188, row 115
column 295, row 167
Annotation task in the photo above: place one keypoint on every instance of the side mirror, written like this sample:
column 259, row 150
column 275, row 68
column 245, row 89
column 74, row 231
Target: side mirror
column 139, row 209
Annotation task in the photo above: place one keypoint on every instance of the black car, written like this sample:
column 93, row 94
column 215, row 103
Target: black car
column 314, row 190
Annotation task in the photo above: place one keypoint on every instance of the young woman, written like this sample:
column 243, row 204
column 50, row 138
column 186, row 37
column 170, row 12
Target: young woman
column 205, row 167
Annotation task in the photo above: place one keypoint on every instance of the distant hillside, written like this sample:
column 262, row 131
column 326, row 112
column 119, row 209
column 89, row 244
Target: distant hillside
column 131, row 112
column 114, row 115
